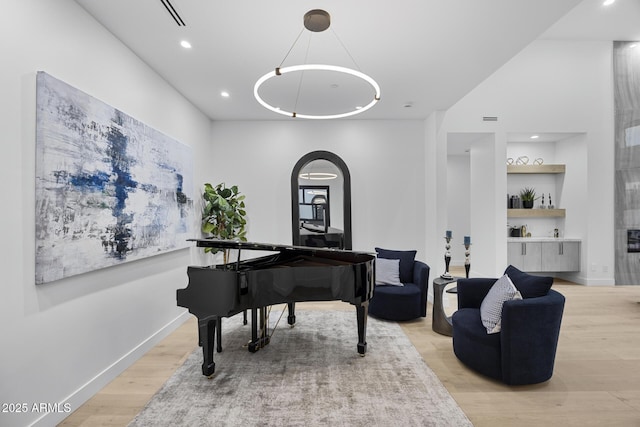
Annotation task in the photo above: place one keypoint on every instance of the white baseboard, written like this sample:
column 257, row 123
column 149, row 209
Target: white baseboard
column 93, row 386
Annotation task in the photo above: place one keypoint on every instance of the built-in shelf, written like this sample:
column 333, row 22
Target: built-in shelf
column 535, row 168
column 535, row 213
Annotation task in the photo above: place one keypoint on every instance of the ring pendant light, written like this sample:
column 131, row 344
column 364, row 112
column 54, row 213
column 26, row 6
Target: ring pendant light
column 321, row 176
column 316, row 21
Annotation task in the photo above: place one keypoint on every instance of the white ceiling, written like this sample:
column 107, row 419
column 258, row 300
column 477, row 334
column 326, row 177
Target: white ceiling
column 459, row 143
column 590, row 20
column 423, row 53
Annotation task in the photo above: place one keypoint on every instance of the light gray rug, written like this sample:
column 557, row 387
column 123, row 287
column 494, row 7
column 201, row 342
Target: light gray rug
column 309, row 375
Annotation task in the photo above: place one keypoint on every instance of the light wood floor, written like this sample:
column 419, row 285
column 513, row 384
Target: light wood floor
column 596, row 380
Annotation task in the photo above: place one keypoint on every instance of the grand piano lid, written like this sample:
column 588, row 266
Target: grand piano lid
column 235, row 244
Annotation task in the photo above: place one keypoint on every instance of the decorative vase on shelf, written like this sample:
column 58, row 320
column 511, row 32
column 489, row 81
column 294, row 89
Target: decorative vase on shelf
column 528, row 197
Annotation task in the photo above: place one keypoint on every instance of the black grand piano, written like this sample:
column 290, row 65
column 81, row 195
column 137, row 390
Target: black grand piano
column 292, row 274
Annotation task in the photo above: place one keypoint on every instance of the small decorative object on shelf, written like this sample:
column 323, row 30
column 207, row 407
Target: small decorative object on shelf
column 447, row 255
column 538, row 161
column 467, row 252
column 542, row 206
column 550, row 204
column 528, row 197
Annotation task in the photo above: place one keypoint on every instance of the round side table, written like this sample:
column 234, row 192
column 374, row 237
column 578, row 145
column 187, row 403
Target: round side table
column 441, row 323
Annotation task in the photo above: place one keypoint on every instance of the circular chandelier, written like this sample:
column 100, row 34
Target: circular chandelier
column 318, row 175
column 316, row 67
column 316, row 21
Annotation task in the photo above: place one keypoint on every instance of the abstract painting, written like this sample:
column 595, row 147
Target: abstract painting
column 109, row 189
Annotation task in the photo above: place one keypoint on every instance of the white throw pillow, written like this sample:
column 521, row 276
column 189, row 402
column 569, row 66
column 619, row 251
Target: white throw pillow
column 388, row 272
column 491, row 307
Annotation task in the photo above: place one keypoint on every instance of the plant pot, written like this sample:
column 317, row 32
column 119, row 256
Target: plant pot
column 527, row 204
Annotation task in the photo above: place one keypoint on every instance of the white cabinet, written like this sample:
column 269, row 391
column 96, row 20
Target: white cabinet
column 540, row 256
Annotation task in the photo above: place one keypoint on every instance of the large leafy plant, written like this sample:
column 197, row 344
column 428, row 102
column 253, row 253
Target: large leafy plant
column 223, row 214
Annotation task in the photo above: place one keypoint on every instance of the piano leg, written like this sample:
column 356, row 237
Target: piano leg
column 259, row 341
column 291, row 319
column 254, row 330
column 264, row 327
column 219, row 334
column 207, row 331
column 361, row 312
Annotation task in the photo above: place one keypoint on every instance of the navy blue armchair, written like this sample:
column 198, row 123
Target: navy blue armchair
column 523, row 352
column 405, row 302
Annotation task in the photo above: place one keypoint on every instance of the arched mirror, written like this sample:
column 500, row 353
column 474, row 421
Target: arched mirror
column 321, row 201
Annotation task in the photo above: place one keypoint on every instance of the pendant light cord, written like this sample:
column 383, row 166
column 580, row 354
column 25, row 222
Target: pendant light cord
column 306, row 56
column 291, row 48
column 346, row 50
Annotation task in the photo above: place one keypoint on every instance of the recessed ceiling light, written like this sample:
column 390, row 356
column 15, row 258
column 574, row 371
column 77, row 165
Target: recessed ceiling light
column 633, row 46
column 185, row 44
column 224, row 94
column 535, row 136
column 608, row 2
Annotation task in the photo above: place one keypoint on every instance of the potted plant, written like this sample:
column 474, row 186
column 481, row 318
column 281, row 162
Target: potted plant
column 223, row 215
column 528, row 196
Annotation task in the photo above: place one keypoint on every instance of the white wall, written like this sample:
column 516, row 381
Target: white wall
column 556, row 86
column 61, row 342
column 458, row 204
column 385, row 159
column 487, row 206
column 435, row 189
column 577, row 199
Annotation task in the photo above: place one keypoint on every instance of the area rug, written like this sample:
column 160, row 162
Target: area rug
column 309, row 375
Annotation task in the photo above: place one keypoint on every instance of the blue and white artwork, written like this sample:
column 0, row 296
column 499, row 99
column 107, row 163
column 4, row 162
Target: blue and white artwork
column 109, row 189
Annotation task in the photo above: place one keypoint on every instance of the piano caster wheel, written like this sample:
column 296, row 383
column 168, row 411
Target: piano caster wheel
column 208, row 370
column 253, row 347
column 362, row 349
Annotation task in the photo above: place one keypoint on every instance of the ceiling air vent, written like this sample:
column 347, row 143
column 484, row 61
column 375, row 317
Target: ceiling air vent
column 172, row 11
column 489, row 119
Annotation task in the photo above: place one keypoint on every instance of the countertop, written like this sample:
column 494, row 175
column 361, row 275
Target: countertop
column 540, row 239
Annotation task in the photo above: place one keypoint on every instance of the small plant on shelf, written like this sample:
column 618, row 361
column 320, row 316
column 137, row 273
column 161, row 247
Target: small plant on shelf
column 528, row 196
